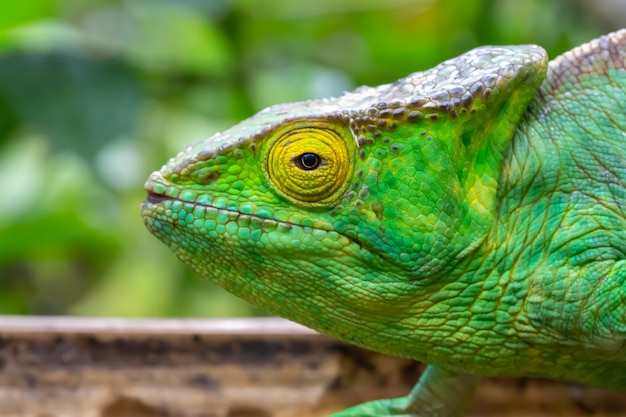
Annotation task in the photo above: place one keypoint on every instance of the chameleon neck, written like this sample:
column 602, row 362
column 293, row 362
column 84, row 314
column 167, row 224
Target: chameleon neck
column 524, row 289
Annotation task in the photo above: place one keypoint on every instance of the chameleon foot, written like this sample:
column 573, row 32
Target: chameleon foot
column 439, row 393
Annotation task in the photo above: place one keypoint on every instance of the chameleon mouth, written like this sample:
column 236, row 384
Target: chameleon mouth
column 159, row 192
column 156, row 188
column 154, row 198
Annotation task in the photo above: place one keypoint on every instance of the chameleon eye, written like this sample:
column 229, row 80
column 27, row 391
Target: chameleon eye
column 310, row 165
column 308, row 161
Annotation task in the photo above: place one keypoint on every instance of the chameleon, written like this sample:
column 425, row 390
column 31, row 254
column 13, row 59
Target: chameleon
column 470, row 216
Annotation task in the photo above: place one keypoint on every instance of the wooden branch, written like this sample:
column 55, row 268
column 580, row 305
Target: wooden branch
column 54, row 367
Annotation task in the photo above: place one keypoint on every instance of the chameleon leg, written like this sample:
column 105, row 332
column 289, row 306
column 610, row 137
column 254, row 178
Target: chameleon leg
column 439, row 393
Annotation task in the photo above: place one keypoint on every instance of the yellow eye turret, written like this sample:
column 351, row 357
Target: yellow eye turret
column 310, row 165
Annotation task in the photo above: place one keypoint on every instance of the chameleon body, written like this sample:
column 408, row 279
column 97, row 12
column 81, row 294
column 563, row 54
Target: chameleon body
column 470, row 216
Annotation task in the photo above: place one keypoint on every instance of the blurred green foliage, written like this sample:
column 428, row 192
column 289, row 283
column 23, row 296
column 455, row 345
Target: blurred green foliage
column 95, row 94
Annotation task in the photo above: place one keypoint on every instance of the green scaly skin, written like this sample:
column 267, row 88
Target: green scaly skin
column 469, row 216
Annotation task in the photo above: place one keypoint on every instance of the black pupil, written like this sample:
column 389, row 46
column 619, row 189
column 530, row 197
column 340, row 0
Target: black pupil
column 309, row 161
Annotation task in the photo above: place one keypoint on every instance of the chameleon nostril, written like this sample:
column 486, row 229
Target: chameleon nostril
column 208, row 178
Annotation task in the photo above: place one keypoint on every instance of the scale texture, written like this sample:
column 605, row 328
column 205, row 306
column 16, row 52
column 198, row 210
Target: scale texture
column 469, row 216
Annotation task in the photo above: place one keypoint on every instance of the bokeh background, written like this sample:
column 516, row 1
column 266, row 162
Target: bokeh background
column 96, row 94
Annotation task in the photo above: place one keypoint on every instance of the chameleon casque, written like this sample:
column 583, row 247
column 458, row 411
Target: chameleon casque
column 470, row 216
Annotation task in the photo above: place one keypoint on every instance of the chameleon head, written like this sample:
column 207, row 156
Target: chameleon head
column 331, row 211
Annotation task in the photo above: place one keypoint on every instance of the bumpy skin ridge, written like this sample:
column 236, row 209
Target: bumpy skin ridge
column 469, row 216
